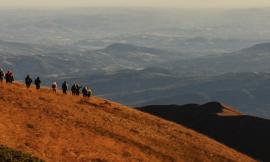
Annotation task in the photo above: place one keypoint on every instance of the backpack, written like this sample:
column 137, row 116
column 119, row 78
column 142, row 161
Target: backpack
column 54, row 85
column 90, row 93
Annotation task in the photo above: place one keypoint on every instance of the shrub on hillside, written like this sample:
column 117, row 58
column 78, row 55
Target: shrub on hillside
column 10, row 155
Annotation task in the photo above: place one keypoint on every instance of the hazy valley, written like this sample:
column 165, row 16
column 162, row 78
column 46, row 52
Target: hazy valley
column 176, row 59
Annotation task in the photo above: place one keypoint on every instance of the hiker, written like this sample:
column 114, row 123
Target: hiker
column 64, row 87
column 2, row 76
column 74, row 89
column 86, row 92
column 37, row 83
column 54, row 87
column 78, row 89
column 28, row 81
column 9, row 77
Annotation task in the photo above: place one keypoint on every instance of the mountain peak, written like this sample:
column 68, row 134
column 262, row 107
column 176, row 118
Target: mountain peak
column 259, row 48
column 210, row 108
column 219, row 109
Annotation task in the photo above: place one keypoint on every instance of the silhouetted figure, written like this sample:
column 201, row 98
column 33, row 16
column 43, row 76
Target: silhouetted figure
column 2, row 76
column 86, row 92
column 9, row 77
column 74, row 89
column 54, row 87
column 65, row 87
column 28, row 81
column 37, row 83
column 78, row 89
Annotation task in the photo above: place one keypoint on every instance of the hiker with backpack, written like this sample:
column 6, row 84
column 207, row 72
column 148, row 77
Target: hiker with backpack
column 2, row 76
column 78, row 87
column 64, row 87
column 28, row 81
column 37, row 83
column 54, row 87
column 74, row 89
column 86, row 92
column 9, row 77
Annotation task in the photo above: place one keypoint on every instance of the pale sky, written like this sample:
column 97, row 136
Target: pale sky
column 139, row 3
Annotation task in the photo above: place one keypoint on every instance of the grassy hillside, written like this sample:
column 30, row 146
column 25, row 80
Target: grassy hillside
column 58, row 127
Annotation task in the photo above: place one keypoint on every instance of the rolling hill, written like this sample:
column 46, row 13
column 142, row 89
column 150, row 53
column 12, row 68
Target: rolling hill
column 251, row 59
column 57, row 127
column 247, row 134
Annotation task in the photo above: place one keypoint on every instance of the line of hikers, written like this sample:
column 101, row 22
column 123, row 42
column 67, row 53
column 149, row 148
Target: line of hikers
column 75, row 88
column 8, row 76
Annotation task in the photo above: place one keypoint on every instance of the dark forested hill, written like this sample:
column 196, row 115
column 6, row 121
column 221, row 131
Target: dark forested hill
column 247, row 134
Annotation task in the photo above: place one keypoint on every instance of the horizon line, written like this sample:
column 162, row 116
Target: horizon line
column 129, row 7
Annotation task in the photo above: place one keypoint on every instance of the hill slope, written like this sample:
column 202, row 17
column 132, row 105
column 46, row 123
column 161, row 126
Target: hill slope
column 246, row 134
column 56, row 127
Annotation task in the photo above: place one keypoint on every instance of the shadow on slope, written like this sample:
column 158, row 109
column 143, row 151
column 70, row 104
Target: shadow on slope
column 246, row 134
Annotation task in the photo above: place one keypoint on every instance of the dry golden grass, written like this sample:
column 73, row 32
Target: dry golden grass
column 64, row 128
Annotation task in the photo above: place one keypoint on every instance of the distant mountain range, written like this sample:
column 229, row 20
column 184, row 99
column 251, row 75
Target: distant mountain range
column 139, row 76
column 253, row 59
column 50, row 63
